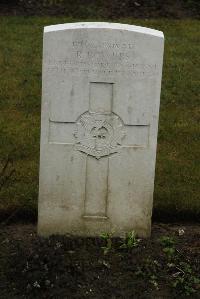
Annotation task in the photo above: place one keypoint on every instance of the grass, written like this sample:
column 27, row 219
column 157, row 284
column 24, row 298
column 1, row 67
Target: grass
column 177, row 171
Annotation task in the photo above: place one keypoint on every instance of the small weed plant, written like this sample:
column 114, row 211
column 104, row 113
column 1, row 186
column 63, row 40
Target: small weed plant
column 183, row 278
column 168, row 245
column 148, row 271
column 130, row 241
column 107, row 237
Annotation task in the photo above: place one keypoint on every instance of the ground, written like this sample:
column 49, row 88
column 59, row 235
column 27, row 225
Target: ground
column 165, row 266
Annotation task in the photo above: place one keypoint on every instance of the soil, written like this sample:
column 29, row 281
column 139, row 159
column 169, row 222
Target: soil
column 68, row 267
column 111, row 9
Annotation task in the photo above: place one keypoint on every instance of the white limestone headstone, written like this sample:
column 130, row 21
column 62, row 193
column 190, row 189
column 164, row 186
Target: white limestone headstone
column 100, row 109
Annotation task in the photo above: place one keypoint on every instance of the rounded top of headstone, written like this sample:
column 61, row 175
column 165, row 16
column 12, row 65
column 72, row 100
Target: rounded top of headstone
column 103, row 25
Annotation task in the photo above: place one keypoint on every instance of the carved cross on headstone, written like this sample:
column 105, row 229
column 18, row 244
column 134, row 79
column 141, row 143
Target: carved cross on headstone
column 98, row 133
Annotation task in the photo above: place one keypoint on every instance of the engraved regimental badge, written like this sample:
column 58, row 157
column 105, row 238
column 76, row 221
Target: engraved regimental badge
column 99, row 134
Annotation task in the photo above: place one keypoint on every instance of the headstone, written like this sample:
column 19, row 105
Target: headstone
column 100, row 109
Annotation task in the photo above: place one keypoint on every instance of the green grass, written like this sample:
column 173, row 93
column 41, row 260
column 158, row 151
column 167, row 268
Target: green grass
column 177, row 178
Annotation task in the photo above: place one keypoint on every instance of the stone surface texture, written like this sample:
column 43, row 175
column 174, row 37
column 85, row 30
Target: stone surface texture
column 100, row 109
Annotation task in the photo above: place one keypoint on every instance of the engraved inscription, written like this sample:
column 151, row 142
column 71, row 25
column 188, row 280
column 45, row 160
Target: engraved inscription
column 99, row 134
column 109, row 58
column 84, row 43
